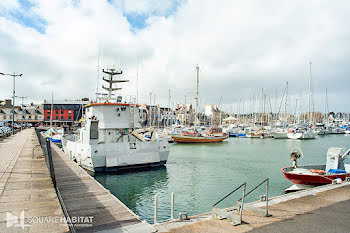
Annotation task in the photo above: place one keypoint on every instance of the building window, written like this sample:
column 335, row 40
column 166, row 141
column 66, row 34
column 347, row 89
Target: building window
column 70, row 118
column 48, row 111
column 56, row 112
column 69, row 112
column 61, row 117
column 48, row 117
column 61, row 112
column 57, row 118
column 29, row 117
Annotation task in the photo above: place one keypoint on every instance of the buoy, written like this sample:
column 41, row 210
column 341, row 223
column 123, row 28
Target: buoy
column 317, row 171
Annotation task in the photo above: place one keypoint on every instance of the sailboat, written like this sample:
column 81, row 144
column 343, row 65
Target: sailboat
column 282, row 133
column 213, row 134
column 306, row 133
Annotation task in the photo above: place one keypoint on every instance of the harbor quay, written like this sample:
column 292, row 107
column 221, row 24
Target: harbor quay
column 320, row 209
column 33, row 200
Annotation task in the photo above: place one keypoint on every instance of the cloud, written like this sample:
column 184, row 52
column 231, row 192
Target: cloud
column 240, row 46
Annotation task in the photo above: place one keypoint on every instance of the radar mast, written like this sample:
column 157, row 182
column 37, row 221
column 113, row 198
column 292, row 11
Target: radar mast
column 110, row 88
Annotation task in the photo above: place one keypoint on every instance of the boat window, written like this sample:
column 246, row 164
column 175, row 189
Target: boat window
column 94, row 130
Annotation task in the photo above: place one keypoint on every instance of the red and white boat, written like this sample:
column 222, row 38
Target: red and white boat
column 335, row 171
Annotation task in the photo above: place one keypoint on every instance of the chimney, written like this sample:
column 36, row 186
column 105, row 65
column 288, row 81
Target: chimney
column 8, row 103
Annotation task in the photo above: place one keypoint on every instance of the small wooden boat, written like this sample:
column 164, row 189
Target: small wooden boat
column 213, row 134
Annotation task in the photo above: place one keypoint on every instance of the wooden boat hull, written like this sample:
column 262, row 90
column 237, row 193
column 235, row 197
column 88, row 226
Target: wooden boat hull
column 308, row 179
column 189, row 139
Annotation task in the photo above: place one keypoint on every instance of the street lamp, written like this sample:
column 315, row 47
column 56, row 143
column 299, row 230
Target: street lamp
column 22, row 97
column 14, row 75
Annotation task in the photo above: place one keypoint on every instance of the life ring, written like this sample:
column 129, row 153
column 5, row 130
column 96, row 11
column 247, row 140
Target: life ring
column 317, row 171
column 289, row 130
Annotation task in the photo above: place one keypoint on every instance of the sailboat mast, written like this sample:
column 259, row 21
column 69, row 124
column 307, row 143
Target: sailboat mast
column 197, row 83
column 285, row 107
column 51, row 109
column 309, row 95
column 264, row 113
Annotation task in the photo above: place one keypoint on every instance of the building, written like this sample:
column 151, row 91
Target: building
column 64, row 112
column 156, row 116
column 28, row 114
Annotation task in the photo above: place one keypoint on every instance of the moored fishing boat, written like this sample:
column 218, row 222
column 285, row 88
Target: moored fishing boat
column 111, row 140
column 313, row 175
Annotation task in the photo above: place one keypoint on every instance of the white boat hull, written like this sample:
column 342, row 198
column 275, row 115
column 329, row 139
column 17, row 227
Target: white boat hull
column 302, row 135
column 280, row 135
column 117, row 156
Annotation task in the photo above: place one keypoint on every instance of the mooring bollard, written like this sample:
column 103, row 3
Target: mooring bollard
column 155, row 209
column 172, row 205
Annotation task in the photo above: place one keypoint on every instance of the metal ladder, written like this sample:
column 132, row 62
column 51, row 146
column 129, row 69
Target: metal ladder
column 231, row 213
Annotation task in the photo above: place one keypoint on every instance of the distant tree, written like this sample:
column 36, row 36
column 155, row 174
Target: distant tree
column 332, row 113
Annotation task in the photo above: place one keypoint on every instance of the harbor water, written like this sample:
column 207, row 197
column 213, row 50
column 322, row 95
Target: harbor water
column 201, row 174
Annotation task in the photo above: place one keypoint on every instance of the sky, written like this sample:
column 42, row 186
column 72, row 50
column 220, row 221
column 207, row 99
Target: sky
column 243, row 48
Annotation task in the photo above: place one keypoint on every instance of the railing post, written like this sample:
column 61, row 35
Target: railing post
column 267, row 197
column 172, row 205
column 50, row 163
column 241, row 212
column 155, row 209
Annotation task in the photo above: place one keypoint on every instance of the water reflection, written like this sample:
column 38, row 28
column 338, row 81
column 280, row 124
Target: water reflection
column 201, row 174
column 134, row 188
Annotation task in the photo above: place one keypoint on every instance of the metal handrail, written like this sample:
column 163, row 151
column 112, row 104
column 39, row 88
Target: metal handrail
column 267, row 194
column 255, row 188
column 230, row 194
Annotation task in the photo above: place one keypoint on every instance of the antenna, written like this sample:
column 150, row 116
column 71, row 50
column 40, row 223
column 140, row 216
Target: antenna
column 111, row 73
column 137, row 80
column 98, row 70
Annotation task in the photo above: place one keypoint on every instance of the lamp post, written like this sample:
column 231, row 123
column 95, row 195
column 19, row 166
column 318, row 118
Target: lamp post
column 22, row 97
column 14, row 75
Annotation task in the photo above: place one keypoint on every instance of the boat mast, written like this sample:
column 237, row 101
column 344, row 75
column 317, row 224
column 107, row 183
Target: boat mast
column 309, row 110
column 150, row 111
column 51, row 109
column 111, row 73
column 137, row 80
column 169, row 111
column 326, row 108
column 196, row 106
column 285, row 107
column 264, row 113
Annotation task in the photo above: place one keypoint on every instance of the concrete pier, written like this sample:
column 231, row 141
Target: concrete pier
column 321, row 209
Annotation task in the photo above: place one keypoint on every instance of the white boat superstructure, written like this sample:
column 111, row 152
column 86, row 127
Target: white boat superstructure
column 110, row 139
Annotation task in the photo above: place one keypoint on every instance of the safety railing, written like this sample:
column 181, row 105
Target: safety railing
column 231, row 213
column 265, row 198
column 45, row 145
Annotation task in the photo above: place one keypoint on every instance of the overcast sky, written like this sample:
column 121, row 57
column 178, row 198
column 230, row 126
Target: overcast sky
column 241, row 46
